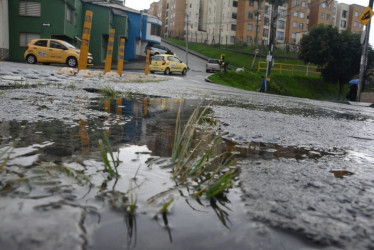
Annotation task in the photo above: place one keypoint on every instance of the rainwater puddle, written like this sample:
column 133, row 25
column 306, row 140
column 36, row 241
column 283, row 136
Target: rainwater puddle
column 56, row 193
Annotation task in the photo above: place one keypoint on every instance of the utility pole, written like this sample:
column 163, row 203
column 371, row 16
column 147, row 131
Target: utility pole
column 273, row 28
column 187, row 40
column 364, row 58
column 259, row 3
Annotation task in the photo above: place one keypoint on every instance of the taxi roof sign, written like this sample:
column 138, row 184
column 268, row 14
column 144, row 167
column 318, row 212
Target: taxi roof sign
column 366, row 15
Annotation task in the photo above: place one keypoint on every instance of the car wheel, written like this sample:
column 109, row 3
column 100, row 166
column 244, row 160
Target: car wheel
column 31, row 59
column 167, row 71
column 207, row 70
column 152, row 72
column 72, row 62
column 184, row 71
column 46, row 63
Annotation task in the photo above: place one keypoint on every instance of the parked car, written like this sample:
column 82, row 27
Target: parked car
column 157, row 49
column 167, row 64
column 212, row 65
column 53, row 51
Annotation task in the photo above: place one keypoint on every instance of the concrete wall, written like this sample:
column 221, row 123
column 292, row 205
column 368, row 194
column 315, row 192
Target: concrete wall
column 4, row 30
column 367, row 97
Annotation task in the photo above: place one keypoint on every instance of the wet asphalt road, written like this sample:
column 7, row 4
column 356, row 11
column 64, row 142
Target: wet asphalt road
column 324, row 193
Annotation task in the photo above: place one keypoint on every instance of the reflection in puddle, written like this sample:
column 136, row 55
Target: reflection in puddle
column 59, row 166
column 341, row 173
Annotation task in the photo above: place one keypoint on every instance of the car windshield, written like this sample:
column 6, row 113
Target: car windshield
column 158, row 58
column 213, row 61
column 68, row 45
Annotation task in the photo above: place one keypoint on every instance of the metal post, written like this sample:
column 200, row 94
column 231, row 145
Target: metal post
column 364, row 58
column 187, row 41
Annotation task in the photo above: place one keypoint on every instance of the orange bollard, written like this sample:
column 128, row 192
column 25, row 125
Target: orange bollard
column 147, row 62
column 109, row 51
column 121, row 56
column 82, row 62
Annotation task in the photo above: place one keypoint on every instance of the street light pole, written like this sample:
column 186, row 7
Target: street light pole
column 364, row 58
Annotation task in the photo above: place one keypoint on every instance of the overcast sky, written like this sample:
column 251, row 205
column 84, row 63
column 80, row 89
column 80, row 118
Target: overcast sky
column 144, row 4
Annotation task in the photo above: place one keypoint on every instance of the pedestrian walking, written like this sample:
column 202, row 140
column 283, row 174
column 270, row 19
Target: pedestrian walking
column 263, row 84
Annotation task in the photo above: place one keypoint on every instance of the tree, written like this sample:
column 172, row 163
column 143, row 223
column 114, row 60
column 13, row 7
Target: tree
column 337, row 55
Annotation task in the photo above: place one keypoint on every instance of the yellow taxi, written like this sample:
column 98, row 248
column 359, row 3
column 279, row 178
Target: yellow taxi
column 53, row 51
column 167, row 64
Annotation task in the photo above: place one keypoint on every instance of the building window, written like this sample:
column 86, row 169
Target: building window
column 355, row 24
column 301, row 14
column 232, row 39
column 266, row 33
column 294, row 24
column 324, row 5
column 344, row 14
column 356, row 13
column 303, row 4
column 235, row 4
column 29, row 8
column 25, row 38
column 267, row 10
column 280, row 35
column 69, row 14
column 266, row 21
column 297, row 2
column 343, row 23
column 295, row 14
column 155, row 30
column 249, row 27
column 249, row 39
column 322, row 15
column 75, row 19
column 234, row 15
column 301, row 26
column 293, row 35
column 250, row 15
column 328, row 16
column 281, row 24
column 233, row 27
column 251, row 2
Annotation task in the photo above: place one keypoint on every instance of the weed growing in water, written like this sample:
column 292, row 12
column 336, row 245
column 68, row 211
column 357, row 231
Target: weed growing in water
column 71, row 86
column 2, row 92
column 25, row 85
column 110, row 166
column 109, row 92
column 199, row 162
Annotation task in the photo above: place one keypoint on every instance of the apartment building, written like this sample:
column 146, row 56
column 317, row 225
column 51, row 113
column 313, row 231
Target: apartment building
column 353, row 23
column 297, row 20
column 153, row 8
column 175, row 18
column 244, row 21
column 251, row 22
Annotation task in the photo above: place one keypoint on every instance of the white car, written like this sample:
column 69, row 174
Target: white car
column 157, row 49
column 212, row 65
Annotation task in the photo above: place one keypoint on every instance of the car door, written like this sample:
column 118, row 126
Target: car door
column 57, row 51
column 173, row 64
column 40, row 50
column 178, row 64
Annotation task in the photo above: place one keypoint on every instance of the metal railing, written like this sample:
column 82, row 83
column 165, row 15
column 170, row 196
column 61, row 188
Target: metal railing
column 290, row 68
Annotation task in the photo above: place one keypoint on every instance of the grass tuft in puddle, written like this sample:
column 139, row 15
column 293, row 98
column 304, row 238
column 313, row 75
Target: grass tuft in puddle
column 200, row 163
column 109, row 92
column 112, row 164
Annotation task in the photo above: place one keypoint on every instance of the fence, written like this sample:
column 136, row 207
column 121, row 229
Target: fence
column 290, row 68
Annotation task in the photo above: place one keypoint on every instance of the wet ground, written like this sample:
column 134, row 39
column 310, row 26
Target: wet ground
column 305, row 182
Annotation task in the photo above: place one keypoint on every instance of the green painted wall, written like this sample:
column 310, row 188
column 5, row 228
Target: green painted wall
column 52, row 13
column 102, row 21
